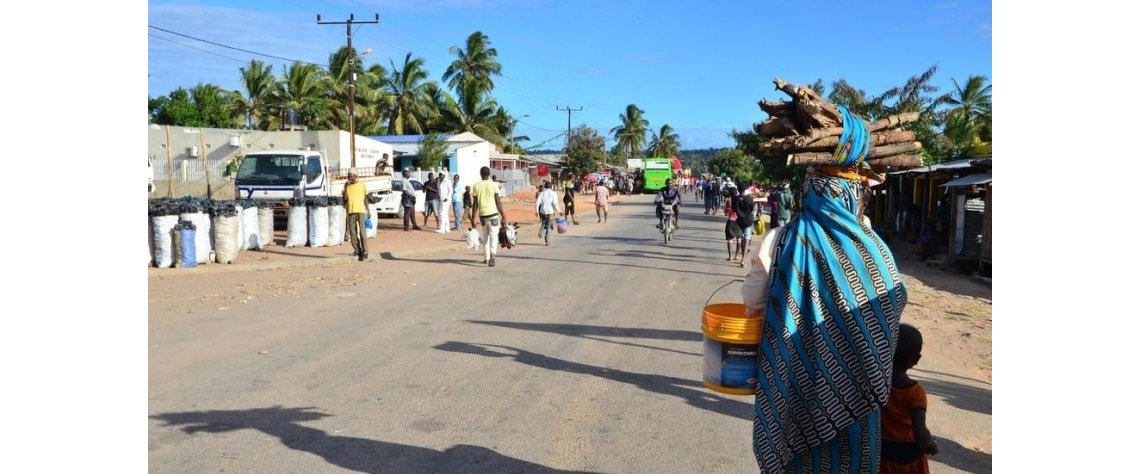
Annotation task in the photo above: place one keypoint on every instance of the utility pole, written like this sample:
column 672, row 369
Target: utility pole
column 351, row 79
column 568, row 112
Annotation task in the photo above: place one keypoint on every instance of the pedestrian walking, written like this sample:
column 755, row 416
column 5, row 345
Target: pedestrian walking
column 546, row 207
column 356, row 207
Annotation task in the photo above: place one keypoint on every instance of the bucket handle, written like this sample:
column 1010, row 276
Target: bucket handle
column 721, row 288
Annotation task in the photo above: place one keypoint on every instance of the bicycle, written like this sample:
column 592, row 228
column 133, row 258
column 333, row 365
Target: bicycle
column 668, row 222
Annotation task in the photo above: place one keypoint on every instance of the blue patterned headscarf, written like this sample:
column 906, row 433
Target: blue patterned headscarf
column 834, row 301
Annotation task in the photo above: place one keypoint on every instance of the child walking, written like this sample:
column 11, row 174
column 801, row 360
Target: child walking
column 906, row 440
column 568, row 204
column 732, row 232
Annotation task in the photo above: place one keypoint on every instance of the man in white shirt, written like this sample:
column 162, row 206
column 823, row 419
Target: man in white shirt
column 445, row 191
column 546, row 206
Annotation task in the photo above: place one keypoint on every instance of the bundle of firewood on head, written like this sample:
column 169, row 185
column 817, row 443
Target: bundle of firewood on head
column 810, row 130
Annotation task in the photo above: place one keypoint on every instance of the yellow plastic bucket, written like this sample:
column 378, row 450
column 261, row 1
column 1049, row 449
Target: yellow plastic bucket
column 731, row 345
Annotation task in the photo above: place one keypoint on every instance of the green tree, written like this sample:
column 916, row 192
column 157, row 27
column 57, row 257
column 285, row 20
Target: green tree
column 258, row 81
column 175, row 108
column 374, row 102
column 302, row 89
column 856, row 100
column 411, row 102
column 974, row 100
column 476, row 63
column 972, row 103
column 473, row 113
column 337, row 85
column 630, row 135
column 733, row 162
column 433, row 150
column 665, row 143
column 916, row 96
column 585, row 148
column 204, row 105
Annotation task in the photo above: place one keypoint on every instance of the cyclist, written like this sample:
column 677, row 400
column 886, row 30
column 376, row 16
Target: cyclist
column 671, row 195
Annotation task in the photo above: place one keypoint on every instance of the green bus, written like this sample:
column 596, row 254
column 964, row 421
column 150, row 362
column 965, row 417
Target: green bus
column 657, row 173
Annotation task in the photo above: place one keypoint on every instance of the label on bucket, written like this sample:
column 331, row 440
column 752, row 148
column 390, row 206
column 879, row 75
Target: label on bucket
column 731, row 365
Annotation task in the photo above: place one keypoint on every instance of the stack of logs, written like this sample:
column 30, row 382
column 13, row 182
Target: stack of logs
column 808, row 128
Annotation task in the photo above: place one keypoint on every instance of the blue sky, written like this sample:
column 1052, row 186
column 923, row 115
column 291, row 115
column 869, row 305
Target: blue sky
column 699, row 67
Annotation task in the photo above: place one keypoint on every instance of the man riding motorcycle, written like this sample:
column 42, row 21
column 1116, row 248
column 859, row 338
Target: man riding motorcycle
column 670, row 194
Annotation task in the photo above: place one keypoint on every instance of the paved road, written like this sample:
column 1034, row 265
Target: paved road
column 581, row 357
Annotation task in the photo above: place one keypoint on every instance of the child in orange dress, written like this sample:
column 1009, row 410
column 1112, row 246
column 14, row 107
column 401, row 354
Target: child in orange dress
column 905, row 439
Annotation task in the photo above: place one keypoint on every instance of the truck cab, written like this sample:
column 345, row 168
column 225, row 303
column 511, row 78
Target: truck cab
column 279, row 175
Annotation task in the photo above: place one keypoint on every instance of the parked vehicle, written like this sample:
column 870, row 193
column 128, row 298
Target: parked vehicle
column 276, row 176
column 389, row 204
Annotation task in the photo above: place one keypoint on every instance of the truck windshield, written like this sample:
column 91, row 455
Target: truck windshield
column 270, row 169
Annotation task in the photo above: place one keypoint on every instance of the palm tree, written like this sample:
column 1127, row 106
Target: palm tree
column 373, row 101
column 337, row 82
column 259, row 83
column 630, row 135
column 472, row 113
column 664, row 143
column 411, row 105
column 974, row 100
column 302, row 88
column 476, row 63
column 914, row 96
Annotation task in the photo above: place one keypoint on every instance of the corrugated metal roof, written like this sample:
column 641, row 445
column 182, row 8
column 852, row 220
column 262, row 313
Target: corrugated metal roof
column 949, row 165
column 403, row 138
column 980, row 178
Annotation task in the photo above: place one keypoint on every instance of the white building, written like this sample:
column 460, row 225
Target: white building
column 466, row 153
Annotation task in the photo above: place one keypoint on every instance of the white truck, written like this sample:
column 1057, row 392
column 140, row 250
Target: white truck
column 279, row 175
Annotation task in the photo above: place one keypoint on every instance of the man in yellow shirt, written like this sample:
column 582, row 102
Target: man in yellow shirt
column 489, row 207
column 356, row 206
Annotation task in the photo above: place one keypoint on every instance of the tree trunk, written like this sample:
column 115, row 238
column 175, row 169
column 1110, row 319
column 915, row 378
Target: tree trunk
column 776, row 126
column 882, row 124
column 802, row 144
column 817, row 158
column 781, row 109
column 895, row 149
column 808, row 102
column 901, row 161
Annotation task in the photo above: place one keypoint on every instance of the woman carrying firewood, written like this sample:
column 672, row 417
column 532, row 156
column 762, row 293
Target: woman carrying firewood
column 831, row 297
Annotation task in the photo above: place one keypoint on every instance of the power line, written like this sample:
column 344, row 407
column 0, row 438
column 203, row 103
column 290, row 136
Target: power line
column 198, row 49
column 233, row 48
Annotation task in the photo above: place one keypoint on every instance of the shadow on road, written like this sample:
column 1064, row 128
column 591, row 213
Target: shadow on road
column 600, row 333
column 355, row 454
column 965, row 397
column 960, row 457
column 692, row 391
column 618, row 264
